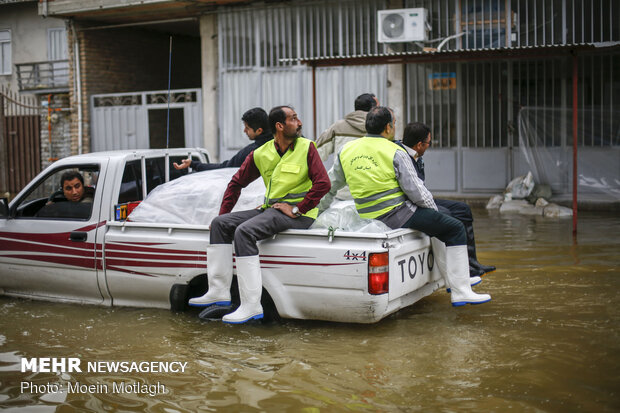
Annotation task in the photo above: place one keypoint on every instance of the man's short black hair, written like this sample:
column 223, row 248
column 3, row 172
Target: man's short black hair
column 70, row 176
column 276, row 115
column 377, row 119
column 365, row 102
column 257, row 118
column 415, row 132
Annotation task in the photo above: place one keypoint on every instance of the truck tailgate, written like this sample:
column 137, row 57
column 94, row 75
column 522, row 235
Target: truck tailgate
column 413, row 273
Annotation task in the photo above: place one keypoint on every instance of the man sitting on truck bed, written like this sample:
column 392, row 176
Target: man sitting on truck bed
column 295, row 181
column 385, row 186
column 256, row 127
column 352, row 126
column 416, row 141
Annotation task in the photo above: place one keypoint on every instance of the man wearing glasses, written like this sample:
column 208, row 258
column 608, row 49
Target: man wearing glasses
column 416, row 140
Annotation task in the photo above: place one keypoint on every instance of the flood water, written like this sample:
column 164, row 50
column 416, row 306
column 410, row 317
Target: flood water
column 548, row 342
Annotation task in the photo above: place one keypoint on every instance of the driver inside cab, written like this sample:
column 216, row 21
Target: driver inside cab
column 73, row 189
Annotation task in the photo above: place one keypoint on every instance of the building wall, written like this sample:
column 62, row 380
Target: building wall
column 268, row 40
column 28, row 35
column 29, row 44
column 477, row 122
column 128, row 60
column 55, row 128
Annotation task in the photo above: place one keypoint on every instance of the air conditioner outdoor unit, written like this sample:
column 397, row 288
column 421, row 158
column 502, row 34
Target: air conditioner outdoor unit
column 402, row 25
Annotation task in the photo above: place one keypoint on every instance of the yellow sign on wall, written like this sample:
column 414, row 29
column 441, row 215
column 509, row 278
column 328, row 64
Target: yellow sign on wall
column 442, row 81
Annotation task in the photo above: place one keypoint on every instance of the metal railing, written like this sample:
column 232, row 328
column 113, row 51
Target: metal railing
column 277, row 36
column 43, row 76
column 518, row 23
column 488, row 97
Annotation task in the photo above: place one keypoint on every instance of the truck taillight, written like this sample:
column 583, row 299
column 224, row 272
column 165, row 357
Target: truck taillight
column 378, row 273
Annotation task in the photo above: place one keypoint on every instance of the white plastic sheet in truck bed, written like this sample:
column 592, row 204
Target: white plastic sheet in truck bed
column 196, row 198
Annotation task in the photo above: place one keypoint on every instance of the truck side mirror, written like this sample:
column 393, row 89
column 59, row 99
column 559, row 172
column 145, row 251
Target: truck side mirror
column 4, row 208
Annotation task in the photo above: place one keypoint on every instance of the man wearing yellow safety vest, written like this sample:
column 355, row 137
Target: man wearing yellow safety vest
column 295, row 181
column 385, row 186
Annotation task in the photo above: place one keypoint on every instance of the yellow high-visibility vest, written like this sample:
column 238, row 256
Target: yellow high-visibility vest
column 286, row 177
column 368, row 165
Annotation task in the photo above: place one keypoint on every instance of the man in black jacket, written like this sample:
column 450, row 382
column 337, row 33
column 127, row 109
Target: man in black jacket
column 256, row 122
column 416, row 140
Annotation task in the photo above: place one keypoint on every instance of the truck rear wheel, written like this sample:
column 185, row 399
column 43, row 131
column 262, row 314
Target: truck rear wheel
column 178, row 297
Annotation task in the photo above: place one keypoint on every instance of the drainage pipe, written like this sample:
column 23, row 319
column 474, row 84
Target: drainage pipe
column 78, row 85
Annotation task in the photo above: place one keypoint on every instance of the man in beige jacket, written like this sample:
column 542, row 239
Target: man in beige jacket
column 351, row 127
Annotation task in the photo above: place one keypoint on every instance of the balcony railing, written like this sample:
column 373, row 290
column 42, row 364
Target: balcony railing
column 43, row 77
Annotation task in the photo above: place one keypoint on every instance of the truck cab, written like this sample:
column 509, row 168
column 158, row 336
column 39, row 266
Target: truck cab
column 51, row 247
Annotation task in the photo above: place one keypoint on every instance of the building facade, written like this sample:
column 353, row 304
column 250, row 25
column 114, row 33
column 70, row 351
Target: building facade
column 499, row 82
column 34, row 100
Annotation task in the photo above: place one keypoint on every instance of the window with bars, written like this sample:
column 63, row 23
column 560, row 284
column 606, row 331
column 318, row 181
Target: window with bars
column 438, row 94
column 485, row 105
column 260, row 53
column 493, row 95
column 280, row 36
column 432, row 99
column 517, row 23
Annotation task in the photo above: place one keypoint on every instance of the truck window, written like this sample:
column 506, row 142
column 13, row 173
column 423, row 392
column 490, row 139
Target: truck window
column 155, row 173
column 176, row 173
column 66, row 193
column 131, row 184
column 207, row 160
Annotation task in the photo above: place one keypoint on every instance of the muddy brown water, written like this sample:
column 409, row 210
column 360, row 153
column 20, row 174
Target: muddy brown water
column 548, row 342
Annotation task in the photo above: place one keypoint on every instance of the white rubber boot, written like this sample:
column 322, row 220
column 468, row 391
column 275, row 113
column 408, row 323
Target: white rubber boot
column 472, row 281
column 439, row 255
column 457, row 272
column 250, row 291
column 454, row 272
column 220, row 272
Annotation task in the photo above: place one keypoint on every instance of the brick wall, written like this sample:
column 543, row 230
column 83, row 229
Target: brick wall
column 55, row 118
column 129, row 60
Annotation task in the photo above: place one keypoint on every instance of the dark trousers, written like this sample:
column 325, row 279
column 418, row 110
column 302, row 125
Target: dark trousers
column 249, row 227
column 441, row 226
column 462, row 212
column 457, row 209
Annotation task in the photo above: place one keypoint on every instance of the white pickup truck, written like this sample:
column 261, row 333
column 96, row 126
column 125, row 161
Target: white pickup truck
column 82, row 252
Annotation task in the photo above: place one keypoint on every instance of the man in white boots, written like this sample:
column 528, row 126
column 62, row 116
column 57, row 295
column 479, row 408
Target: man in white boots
column 296, row 180
column 385, row 186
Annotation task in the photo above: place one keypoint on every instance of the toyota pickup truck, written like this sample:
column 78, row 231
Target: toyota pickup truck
column 87, row 253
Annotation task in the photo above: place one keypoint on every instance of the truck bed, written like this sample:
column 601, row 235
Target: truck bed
column 307, row 273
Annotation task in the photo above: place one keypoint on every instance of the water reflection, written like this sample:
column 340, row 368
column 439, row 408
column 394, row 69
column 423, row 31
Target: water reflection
column 547, row 342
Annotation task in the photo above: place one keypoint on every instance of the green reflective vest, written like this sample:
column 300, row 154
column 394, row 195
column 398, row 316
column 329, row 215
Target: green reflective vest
column 368, row 165
column 286, row 177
